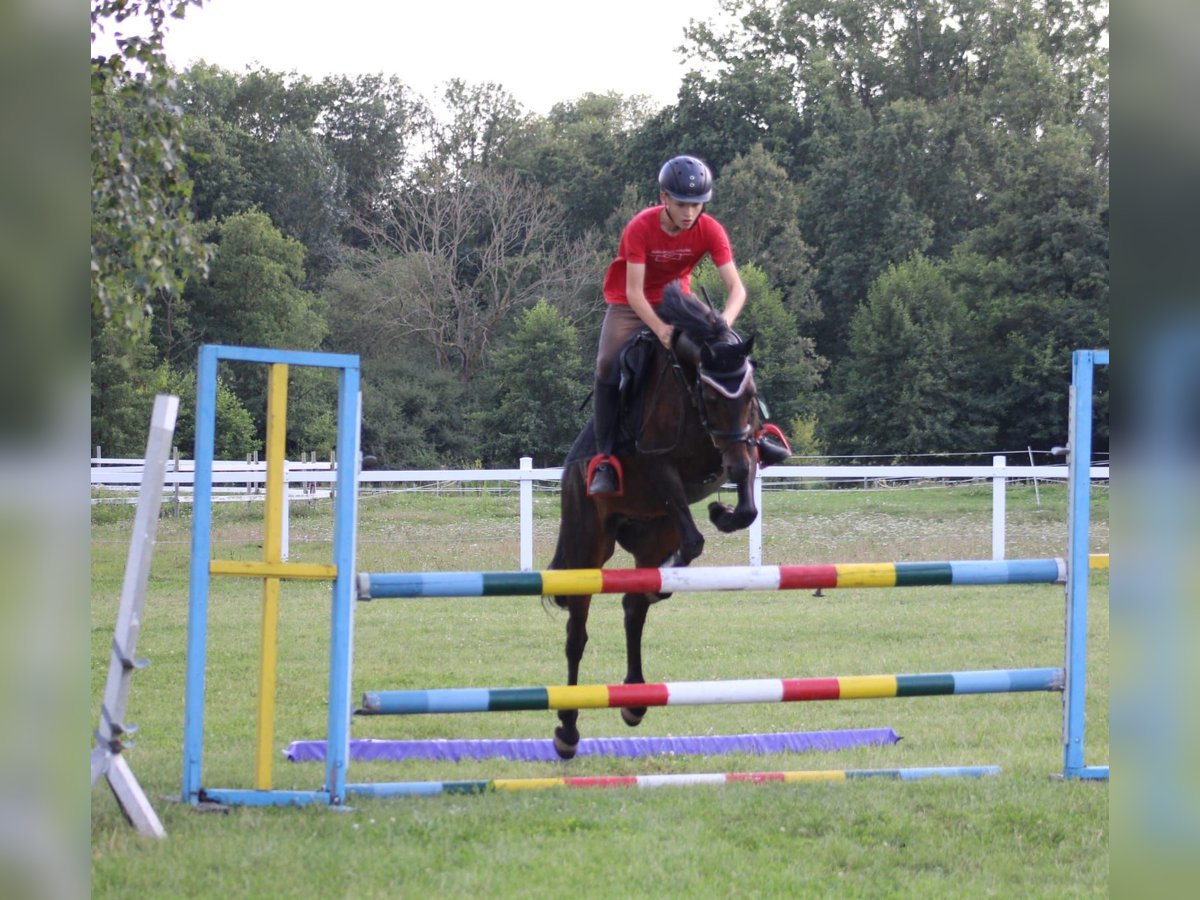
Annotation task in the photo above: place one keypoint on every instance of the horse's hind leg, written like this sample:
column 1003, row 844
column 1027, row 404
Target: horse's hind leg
column 566, row 735
column 582, row 543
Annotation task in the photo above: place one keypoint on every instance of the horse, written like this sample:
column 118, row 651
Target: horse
column 693, row 426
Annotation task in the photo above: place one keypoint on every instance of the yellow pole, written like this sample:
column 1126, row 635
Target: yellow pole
column 277, row 382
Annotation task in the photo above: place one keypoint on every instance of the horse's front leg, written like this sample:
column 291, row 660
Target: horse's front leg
column 566, row 735
column 674, row 498
column 635, row 606
column 741, row 468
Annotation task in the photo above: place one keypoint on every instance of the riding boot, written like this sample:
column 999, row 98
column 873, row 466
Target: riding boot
column 773, row 446
column 603, row 472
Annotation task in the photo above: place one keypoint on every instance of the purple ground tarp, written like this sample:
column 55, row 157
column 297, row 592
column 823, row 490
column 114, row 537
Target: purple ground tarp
column 542, row 750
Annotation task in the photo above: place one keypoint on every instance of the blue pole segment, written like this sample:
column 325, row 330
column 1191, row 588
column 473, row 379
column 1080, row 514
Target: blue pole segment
column 197, row 634
column 1079, row 439
column 919, row 773
column 1009, row 571
column 426, row 584
column 1003, row 681
column 438, row 700
column 345, row 540
column 287, row 357
column 241, row 797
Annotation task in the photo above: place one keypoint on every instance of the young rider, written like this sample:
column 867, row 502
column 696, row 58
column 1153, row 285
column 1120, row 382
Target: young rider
column 658, row 246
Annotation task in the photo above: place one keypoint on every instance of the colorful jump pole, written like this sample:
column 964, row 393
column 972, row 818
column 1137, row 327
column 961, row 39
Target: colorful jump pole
column 430, row 788
column 701, row 693
column 710, row 578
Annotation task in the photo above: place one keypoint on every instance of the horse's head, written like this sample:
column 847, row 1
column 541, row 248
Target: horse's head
column 727, row 398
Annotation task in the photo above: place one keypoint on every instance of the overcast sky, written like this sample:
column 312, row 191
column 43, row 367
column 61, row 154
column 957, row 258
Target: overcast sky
column 541, row 51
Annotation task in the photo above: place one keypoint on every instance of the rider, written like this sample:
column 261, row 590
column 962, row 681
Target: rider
column 659, row 245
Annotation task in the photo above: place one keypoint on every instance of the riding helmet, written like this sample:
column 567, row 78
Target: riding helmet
column 686, row 179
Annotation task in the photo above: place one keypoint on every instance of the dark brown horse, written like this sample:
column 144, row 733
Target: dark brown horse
column 692, row 427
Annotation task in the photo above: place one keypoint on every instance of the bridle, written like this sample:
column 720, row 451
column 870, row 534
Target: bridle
column 722, row 439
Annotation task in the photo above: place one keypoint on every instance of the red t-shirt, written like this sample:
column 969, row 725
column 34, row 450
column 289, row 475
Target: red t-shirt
column 666, row 257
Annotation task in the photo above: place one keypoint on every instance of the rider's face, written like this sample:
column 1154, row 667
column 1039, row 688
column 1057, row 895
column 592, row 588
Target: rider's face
column 683, row 215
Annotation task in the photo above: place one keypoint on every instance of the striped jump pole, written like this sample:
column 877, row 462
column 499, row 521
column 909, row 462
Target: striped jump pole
column 430, row 788
column 700, row 693
column 710, row 578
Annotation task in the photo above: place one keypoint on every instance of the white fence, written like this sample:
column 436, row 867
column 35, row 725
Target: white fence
column 308, row 480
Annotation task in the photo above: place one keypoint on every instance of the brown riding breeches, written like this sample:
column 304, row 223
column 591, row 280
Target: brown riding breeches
column 620, row 322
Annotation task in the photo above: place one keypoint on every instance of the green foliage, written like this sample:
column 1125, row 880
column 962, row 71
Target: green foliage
column 578, row 154
column 254, row 294
column 415, row 415
column 536, row 387
column 910, row 382
column 313, row 155
column 759, row 205
column 254, row 297
column 879, row 164
column 124, row 383
column 789, row 370
column 141, row 240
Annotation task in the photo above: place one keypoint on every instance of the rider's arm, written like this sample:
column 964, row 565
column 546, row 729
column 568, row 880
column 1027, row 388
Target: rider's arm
column 735, row 292
column 635, row 279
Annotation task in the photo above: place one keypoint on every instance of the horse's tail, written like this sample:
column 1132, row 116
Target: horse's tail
column 575, row 515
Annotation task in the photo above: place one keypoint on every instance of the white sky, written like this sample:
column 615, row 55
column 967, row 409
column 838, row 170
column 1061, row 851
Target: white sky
column 541, row 51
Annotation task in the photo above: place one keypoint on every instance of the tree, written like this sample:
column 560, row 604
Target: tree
column 123, row 391
column 910, row 384
column 789, row 370
column 536, row 385
column 254, row 297
column 910, row 115
column 485, row 125
column 463, row 255
column 415, row 414
column 141, row 240
column 577, row 154
column 254, row 145
column 759, row 206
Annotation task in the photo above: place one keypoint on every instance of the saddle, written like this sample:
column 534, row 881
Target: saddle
column 634, row 362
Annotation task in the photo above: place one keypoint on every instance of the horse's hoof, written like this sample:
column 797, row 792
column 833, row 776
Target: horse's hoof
column 632, row 718
column 562, row 748
column 718, row 512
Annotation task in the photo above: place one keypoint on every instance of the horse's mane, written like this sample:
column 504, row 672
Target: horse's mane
column 696, row 319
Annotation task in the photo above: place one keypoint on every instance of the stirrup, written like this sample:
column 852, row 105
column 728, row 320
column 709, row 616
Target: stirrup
column 601, row 459
column 773, row 446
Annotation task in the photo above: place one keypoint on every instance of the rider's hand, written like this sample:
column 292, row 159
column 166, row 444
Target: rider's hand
column 664, row 332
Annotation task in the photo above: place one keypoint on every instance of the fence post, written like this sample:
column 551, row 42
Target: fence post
column 999, row 496
column 175, row 456
column 756, row 536
column 286, row 524
column 526, row 494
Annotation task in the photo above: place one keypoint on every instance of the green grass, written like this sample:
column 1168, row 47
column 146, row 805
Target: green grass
column 1017, row 833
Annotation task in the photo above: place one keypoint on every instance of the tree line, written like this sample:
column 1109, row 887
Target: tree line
column 916, row 192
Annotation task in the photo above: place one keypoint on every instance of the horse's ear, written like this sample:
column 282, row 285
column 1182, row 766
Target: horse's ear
column 706, row 355
column 748, row 345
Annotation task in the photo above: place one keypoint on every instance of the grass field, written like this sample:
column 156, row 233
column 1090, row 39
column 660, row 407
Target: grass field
column 1018, row 833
